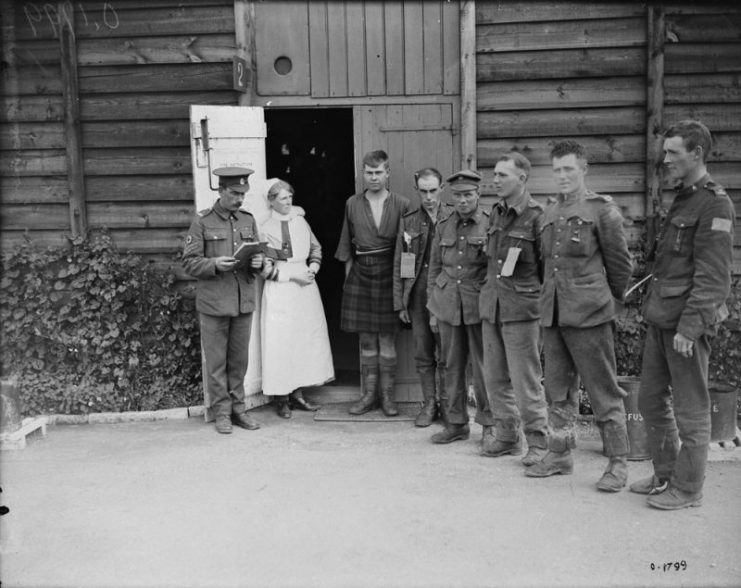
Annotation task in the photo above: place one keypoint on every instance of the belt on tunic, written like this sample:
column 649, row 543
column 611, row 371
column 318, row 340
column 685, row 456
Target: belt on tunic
column 384, row 251
column 463, row 280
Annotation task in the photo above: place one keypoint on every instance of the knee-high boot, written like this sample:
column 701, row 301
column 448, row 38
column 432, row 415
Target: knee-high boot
column 388, row 376
column 369, row 400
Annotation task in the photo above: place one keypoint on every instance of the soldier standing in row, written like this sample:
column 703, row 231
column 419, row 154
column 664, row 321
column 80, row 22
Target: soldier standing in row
column 225, row 295
column 510, row 315
column 411, row 265
column 366, row 246
column 685, row 303
column 587, row 268
column 457, row 271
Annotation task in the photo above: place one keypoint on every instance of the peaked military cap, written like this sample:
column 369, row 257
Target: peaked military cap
column 464, row 180
column 234, row 178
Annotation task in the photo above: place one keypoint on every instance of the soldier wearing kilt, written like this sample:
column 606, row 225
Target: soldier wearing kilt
column 366, row 247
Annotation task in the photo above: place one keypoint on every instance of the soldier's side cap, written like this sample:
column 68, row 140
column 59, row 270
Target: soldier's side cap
column 235, row 178
column 464, row 180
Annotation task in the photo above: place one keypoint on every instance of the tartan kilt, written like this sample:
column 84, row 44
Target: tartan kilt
column 368, row 297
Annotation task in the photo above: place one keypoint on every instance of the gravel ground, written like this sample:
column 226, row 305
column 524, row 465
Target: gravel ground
column 307, row 503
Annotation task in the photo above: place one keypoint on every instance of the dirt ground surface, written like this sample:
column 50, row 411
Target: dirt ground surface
column 307, row 503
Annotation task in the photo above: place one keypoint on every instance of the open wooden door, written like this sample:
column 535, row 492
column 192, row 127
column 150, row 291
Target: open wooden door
column 232, row 136
column 414, row 136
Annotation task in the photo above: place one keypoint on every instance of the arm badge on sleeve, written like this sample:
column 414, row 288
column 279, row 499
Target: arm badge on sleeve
column 721, row 224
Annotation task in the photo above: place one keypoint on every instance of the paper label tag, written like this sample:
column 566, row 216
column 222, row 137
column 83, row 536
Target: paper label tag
column 407, row 265
column 509, row 264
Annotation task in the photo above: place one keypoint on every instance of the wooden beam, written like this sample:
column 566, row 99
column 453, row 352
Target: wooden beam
column 468, row 84
column 244, row 34
column 9, row 71
column 545, row 36
column 654, row 117
column 72, row 126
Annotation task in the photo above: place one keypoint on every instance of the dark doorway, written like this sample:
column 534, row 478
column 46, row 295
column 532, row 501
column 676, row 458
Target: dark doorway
column 313, row 150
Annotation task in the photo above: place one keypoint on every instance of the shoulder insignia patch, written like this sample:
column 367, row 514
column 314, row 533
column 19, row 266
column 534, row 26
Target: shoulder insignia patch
column 717, row 189
column 603, row 197
column 721, row 224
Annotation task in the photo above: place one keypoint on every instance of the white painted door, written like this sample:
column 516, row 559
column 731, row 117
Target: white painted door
column 232, row 136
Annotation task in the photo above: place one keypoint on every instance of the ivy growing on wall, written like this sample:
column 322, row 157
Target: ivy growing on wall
column 88, row 328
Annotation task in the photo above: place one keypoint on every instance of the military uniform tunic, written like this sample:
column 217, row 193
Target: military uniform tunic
column 587, row 262
column 457, row 271
column 420, row 230
column 691, row 282
column 514, row 297
column 215, row 233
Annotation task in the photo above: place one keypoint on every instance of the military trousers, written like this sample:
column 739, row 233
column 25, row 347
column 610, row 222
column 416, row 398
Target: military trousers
column 680, row 413
column 587, row 353
column 513, row 378
column 225, row 343
column 427, row 352
column 459, row 344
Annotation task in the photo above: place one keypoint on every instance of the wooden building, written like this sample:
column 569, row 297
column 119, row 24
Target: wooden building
column 95, row 96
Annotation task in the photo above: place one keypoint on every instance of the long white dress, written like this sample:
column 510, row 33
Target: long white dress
column 295, row 342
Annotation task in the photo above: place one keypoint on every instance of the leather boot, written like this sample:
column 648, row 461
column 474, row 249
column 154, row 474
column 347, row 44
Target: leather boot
column 369, row 400
column 388, row 405
column 451, row 433
column 506, row 440
column 283, row 408
column 558, row 460
column 537, row 447
column 429, row 408
column 498, row 448
column 615, row 476
column 297, row 400
column 674, row 499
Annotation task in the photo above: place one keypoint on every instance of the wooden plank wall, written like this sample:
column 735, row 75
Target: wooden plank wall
column 354, row 49
column 702, row 65
column 140, row 65
column 547, row 71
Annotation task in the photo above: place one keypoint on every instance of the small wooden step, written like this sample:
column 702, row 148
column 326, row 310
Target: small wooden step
column 17, row 439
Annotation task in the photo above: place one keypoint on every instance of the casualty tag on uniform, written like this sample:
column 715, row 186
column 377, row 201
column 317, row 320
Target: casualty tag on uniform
column 509, row 264
column 407, row 265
